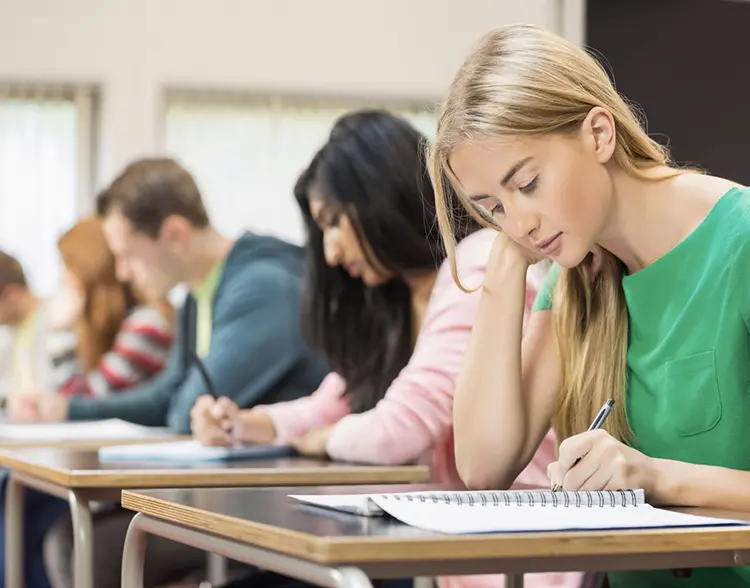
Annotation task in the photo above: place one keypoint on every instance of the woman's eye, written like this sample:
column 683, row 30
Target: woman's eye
column 330, row 221
column 497, row 209
column 528, row 188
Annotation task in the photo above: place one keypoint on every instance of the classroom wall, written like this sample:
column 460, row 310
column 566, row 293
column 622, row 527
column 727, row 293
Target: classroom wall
column 133, row 49
column 687, row 72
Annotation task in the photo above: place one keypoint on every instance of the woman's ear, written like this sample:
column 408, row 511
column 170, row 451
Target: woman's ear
column 600, row 133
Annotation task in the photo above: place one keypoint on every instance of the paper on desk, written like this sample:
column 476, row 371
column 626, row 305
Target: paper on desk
column 76, row 431
column 191, row 451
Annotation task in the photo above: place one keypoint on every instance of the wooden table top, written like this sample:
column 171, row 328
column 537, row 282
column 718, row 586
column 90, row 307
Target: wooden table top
column 83, row 469
column 268, row 518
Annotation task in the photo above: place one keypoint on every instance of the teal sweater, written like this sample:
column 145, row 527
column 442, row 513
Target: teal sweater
column 257, row 355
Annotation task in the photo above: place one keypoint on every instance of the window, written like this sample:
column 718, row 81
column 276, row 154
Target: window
column 45, row 174
column 246, row 153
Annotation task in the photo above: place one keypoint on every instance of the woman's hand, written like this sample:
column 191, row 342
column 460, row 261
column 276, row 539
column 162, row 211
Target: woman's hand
column 66, row 308
column 605, row 464
column 30, row 407
column 505, row 249
column 222, row 422
column 314, row 442
column 215, row 421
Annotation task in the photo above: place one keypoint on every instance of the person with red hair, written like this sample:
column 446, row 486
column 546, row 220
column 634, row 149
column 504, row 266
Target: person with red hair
column 106, row 339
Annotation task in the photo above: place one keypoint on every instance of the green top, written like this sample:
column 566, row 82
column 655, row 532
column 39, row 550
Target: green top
column 204, row 297
column 689, row 360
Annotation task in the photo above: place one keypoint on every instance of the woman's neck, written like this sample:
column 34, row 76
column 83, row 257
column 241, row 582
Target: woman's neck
column 421, row 286
column 649, row 217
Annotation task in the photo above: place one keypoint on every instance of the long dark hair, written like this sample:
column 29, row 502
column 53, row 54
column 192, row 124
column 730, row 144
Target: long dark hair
column 372, row 168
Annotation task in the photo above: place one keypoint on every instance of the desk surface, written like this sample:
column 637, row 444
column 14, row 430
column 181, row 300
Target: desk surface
column 82, row 469
column 267, row 518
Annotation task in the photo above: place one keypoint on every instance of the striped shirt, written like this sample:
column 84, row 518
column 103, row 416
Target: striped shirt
column 139, row 352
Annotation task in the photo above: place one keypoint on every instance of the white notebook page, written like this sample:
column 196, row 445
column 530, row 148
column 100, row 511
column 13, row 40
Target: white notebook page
column 514, row 511
column 454, row 518
column 189, row 451
column 76, row 431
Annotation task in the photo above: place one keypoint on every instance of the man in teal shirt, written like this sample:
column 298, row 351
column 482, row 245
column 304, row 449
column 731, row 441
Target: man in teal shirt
column 240, row 317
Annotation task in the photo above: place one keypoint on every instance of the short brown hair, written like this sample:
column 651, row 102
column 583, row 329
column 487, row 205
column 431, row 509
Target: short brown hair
column 150, row 190
column 11, row 272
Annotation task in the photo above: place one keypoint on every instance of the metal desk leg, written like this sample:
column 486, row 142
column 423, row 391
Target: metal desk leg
column 217, row 568
column 513, row 580
column 83, row 541
column 350, row 578
column 140, row 525
column 14, row 504
column 424, row 582
column 134, row 555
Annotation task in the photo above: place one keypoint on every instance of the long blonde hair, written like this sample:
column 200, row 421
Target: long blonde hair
column 522, row 80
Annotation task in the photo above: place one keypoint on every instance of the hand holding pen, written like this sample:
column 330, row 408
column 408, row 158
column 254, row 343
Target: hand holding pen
column 595, row 424
column 218, row 420
column 224, row 413
column 595, row 460
column 213, row 422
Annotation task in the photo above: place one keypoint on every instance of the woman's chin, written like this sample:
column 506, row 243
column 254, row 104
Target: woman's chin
column 568, row 261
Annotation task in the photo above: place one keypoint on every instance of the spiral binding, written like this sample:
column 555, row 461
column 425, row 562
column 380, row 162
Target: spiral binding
column 543, row 499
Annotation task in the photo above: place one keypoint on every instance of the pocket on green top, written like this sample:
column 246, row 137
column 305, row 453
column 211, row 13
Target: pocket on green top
column 692, row 390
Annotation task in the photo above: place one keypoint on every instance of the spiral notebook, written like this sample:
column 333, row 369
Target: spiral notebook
column 514, row 511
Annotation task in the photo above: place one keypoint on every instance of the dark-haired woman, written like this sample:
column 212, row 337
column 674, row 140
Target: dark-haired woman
column 384, row 309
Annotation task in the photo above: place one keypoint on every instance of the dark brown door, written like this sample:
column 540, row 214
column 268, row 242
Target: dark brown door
column 687, row 63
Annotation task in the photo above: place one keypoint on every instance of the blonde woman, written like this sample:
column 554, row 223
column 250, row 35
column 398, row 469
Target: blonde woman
column 648, row 302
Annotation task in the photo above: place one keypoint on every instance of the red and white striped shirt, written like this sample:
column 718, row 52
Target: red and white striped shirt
column 139, row 352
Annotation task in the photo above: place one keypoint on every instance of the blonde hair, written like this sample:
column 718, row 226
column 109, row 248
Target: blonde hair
column 522, row 80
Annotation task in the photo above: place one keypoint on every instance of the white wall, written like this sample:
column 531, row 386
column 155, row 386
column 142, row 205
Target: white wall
column 133, row 49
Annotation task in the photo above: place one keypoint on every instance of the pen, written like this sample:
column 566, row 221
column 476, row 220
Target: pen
column 595, row 424
column 206, row 380
column 204, row 374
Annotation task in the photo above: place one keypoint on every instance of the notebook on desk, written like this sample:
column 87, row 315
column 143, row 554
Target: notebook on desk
column 191, row 451
column 514, row 511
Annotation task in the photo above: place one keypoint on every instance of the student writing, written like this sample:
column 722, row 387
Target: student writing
column 648, row 302
column 384, row 311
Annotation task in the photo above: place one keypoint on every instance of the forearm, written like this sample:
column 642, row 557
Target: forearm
column 685, row 484
column 294, row 418
column 145, row 406
column 489, row 414
column 256, row 427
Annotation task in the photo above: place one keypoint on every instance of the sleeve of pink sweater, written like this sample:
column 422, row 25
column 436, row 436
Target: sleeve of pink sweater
column 296, row 417
column 416, row 412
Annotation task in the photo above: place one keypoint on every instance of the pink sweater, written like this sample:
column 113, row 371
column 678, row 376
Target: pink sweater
column 414, row 420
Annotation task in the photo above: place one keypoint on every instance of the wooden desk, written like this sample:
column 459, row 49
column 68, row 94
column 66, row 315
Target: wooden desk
column 263, row 527
column 82, row 479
